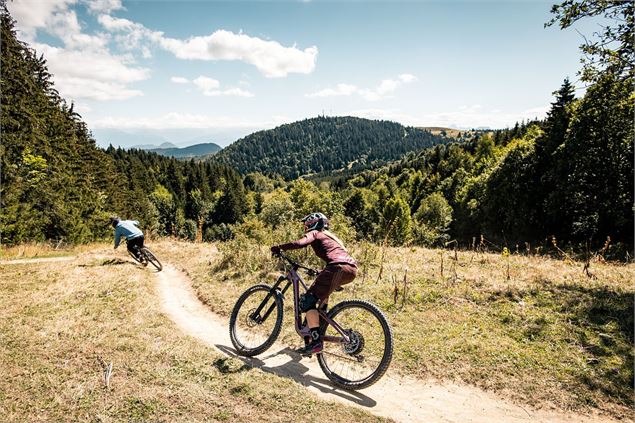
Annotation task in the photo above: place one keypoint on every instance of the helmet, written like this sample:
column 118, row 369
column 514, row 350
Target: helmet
column 114, row 221
column 315, row 221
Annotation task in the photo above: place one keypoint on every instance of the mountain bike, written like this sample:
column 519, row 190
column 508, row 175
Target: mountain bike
column 146, row 256
column 358, row 340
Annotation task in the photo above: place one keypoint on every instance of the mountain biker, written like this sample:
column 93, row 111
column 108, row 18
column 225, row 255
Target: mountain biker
column 128, row 229
column 340, row 269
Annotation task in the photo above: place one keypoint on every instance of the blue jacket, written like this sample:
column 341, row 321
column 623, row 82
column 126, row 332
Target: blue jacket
column 127, row 229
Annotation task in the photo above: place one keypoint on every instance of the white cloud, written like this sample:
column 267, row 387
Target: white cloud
column 90, row 74
column 103, row 6
column 206, row 84
column 236, row 92
column 84, row 67
column 387, row 86
column 179, row 80
column 130, row 35
column 211, row 87
column 369, row 95
column 270, row 57
column 384, row 89
column 464, row 117
column 118, row 24
column 406, row 77
column 95, row 90
column 66, row 27
column 339, row 90
column 33, row 15
column 146, row 53
column 184, row 120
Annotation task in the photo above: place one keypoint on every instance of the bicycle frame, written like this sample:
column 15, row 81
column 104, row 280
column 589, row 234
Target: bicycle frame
column 293, row 279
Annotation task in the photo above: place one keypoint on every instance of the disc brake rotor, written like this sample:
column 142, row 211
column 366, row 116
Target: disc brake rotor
column 356, row 344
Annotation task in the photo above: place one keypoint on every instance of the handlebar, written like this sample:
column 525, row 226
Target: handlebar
column 296, row 265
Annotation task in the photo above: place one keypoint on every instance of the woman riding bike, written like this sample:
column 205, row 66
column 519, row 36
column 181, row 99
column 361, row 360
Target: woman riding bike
column 340, row 269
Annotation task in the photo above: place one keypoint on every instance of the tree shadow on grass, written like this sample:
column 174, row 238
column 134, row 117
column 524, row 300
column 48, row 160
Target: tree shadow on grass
column 602, row 322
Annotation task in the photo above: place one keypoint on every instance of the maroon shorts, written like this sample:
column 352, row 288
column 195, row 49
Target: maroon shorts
column 332, row 277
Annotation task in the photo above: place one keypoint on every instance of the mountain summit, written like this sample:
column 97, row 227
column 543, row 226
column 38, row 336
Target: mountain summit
column 324, row 144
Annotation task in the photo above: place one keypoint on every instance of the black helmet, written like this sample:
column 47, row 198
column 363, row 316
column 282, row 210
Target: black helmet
column 114, row 221
column 315, row 221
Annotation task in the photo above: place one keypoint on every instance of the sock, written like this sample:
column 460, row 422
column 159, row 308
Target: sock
column 315, row 334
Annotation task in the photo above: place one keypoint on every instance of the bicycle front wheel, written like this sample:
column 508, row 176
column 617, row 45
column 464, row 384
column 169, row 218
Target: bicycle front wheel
column 363, row 360
column 256, row 320
column 152, row 259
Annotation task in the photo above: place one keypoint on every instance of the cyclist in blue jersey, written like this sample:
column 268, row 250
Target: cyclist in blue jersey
column 130, row 232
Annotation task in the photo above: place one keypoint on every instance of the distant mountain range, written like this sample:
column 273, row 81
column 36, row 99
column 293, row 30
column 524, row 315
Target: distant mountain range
column 196, row 150
column 325, row 144
column 154, row 138
column 164, row 145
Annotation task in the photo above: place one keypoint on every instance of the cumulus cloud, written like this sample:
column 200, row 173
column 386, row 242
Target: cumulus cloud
column 66, row 27
column 406, row 77
column 210, row 87
column 270, row 57
column 84, row 68
column 103, row 6
column 339, row 90
column 96, row 75
column 236, row 92
column 33, row 15
column 384, row 89
column 130, row 35
column 179, row 80
column 204, row 83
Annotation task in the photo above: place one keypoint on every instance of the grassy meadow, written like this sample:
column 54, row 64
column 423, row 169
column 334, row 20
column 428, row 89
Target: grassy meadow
column 541, row 331
column 62, row 324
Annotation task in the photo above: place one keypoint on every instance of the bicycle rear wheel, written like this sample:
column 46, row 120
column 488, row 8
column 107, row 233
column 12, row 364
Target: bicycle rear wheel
column 364, row 360
column 256, row 320
column 151, row 258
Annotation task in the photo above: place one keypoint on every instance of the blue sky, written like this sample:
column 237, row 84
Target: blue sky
column 194, row 71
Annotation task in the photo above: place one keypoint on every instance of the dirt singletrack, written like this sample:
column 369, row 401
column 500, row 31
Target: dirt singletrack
column 400, row 398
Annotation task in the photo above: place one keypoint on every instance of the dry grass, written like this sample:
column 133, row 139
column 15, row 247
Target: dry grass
column 538, row 330
column 62, row 323
column 44, row 249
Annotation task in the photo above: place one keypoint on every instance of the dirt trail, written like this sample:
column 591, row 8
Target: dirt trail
column 403, row 399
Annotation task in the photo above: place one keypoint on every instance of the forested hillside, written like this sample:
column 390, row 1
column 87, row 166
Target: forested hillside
column 324, row 144
column 55, row 181
column 58, row 185
column 568, row 178
column 179, row 198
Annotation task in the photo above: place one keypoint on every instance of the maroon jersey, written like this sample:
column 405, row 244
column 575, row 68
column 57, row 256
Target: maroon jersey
column 326, row 247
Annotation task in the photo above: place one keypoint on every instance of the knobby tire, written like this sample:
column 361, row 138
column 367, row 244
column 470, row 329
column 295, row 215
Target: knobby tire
column 384, row 363
column 277, row 313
